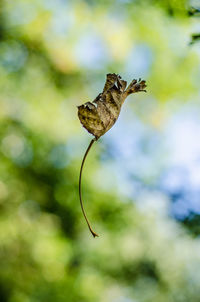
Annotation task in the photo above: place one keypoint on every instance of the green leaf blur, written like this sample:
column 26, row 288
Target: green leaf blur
column 54, row 55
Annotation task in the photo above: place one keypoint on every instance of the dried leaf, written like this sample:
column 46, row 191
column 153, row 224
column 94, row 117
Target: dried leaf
column 101, row 114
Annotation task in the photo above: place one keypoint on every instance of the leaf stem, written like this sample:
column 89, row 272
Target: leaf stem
column 80, row 194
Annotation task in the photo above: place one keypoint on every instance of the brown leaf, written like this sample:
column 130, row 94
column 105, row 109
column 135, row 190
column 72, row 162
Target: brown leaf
column 101, row 114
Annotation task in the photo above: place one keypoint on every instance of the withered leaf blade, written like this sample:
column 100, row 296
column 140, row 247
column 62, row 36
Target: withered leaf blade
column 101, row 114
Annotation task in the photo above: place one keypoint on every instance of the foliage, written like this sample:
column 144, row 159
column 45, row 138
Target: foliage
column 54, row 56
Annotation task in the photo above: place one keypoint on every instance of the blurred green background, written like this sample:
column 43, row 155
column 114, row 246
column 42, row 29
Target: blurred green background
column 141, row 183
